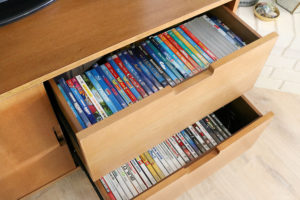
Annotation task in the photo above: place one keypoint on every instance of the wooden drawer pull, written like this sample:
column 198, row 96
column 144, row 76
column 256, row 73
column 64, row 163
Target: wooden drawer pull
column 59, row 136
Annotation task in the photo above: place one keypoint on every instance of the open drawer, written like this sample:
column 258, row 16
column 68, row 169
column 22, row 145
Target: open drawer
column 246, row 127
column 135, row 129
column 32, row 148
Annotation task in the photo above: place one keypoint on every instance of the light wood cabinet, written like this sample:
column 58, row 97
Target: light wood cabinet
column 69, row 34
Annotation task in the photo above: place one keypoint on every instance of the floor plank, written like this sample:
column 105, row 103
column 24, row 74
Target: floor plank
column 74, row 186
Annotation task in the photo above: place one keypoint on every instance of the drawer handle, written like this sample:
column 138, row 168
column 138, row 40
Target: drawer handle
column 59, row 136
column 194, row 165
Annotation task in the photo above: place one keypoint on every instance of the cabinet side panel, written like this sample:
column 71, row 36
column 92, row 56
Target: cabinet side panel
column 30, row 154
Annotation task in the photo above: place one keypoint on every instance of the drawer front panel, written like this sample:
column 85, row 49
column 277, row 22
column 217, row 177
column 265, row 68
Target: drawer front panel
column 30, row 154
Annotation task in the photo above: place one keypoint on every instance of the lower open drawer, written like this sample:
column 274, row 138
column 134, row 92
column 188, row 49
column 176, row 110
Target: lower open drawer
column 246, row 128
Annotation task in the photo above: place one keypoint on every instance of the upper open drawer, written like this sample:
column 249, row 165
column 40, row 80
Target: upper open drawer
column 245, row 123
column 118, row 138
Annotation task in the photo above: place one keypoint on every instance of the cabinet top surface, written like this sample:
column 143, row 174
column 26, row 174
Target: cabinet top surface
column 69, row 33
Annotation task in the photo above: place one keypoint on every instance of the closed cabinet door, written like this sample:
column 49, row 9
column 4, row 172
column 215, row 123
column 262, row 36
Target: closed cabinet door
column 30, row 152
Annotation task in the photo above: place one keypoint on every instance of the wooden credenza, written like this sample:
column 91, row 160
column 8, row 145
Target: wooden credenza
column 69, row 34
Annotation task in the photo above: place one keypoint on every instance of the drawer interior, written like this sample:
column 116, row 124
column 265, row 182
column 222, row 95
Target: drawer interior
column 243, row 120
column 223, row 81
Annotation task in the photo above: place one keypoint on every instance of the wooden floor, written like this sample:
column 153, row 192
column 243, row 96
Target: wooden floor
column 74, row 186
column 268, row 171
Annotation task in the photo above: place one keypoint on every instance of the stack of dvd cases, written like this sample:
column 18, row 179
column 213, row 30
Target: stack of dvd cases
column 149, row 168
column 144, row 68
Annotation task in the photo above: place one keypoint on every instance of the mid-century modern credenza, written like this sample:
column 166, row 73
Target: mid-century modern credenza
column 69, row 34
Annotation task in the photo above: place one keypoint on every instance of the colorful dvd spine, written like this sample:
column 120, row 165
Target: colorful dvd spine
column 154, row 165
column 212, row 138
column 226, row 29
column 187, row 144
column 121, row 182
column 117, row 186
column 134, row 73
column 174, row 153
column 112, row 187
column 199, row 138
column 134, row 82
column 220, row 130
column 155, row 65
column 87, row 100
column 145, row 170
column 220, row 30
column 131, row 177
column 81, row 102
column 183, row 147
column 220, row 124
column 189, row 46
column 170, row 155
column 91, row 91
column 170, row 55
column 133, row 63
column 161, row 63
column 107, row 189
column 209, row 131
column 141, row 173
column 179, row 150
column 115, row 83
column 168, row 168
column 164, row 155
column 197, row 41
column 72, row 106
column 191, row 42
column 154, row 46
column 179, row 39
column 186, row 63
column 181, row 66
column 200, row 149
column 196, row 67
column 127, row 181
column 133, row 94
column 158, row 162
column 113, row 89
column 136, row 176
column 203, row 136
column 214, row 129
column 107, row 90
column 151, row 68
column 144, row 69
column 100, row 90
column 150, row 168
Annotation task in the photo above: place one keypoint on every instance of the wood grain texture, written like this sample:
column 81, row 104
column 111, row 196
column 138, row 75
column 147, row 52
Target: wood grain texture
column 270, row 169
column 231, row 77
column 30, row 154
column 68, row 33
column 73, row 186
column 233, row 5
